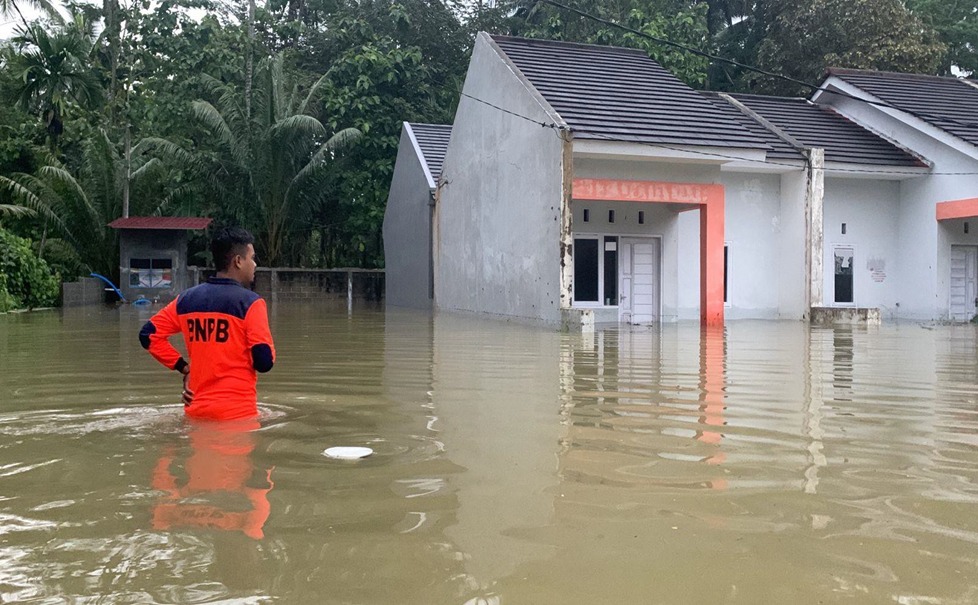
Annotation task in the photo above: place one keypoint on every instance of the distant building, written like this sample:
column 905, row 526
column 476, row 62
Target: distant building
column 153, row 255
column 587, row 184
column 408, row 217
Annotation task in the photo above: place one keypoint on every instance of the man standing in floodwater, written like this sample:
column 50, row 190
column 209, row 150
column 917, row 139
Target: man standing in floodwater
column 225, row 327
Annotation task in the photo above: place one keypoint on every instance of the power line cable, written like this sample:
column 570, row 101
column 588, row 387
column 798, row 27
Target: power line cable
column 554, row 126
column 701, row 53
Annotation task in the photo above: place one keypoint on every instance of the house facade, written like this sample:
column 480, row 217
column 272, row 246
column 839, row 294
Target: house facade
column 586, row 184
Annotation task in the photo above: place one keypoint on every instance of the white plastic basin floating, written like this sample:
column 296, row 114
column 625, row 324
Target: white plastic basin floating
column 347, row 453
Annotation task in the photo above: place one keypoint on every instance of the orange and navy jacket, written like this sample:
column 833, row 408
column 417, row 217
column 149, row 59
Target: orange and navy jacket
column 225, row 329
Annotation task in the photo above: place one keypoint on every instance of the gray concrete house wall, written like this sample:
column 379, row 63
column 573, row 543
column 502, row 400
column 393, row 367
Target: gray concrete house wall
column 923, row 270
column 498, row 211
column 153, row 244
column 407, row 229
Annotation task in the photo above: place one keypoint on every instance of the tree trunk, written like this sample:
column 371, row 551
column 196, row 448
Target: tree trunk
column 249, row 60
column 125, row 181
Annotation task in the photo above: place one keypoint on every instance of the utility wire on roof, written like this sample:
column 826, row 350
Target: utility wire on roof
column 513, row 113
column 714, row 154
column 758, row 70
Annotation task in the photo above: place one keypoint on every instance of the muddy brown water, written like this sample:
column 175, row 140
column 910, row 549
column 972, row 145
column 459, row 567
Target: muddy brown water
column 768, row 462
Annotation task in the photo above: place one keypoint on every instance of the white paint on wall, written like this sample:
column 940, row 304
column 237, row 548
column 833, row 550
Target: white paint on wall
column 870, row 212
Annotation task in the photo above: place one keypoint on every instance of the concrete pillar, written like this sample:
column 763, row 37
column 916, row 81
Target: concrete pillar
column 711, row 260
column 566, row 223
column 814, row 196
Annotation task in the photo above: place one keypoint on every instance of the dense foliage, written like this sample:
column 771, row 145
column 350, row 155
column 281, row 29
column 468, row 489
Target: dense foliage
column 284, row 116
column 25, row 280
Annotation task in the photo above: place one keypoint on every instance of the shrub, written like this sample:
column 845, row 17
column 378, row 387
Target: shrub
column 25, row 280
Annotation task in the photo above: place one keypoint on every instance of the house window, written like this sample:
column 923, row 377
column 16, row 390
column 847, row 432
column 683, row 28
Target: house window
column 596, row 270
column 610, row 270
column 587, row 215
column 150, row 272
column 726, row 249
column 843, row 275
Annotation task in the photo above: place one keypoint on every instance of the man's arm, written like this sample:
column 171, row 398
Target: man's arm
column 259, row 337
column 155, row 338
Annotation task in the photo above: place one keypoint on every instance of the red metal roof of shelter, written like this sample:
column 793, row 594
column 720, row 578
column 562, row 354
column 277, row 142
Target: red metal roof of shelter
column 161, row 222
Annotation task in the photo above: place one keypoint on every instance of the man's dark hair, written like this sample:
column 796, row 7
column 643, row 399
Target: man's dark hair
column 227, row 242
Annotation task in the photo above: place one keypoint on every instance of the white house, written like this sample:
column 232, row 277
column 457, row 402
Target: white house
column 586, row 183
column 932, row 217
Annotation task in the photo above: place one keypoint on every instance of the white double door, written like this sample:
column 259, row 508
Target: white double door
column 638, row 280
column 964, row 289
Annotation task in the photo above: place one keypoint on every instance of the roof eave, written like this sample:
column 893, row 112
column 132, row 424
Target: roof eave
column 851, row 90
column 873, row 171
column 650, row 151
column 420, row 154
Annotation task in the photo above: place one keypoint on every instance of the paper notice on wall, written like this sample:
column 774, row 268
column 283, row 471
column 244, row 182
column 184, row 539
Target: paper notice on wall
column 877, row 269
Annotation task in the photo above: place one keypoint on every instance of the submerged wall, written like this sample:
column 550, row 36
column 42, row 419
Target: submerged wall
column 497, row 240
column 407, row 230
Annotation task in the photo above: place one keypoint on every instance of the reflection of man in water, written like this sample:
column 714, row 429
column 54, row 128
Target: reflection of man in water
column 217, row 486
column 225, row 327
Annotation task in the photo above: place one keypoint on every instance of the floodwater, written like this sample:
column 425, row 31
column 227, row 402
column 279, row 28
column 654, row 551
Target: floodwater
column 768, row 462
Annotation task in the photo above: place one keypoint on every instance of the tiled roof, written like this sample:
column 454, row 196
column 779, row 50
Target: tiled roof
column 620, row 94
column 820, row 126
column 160, row 222
column 433, row 141
column 950, row 104
column 780, row 150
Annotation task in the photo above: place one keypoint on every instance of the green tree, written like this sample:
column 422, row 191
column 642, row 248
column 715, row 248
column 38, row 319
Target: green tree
column 79, row 208
column 374, row 85
column 682, row 21
column 25, row 279
column 805, row 38
column 260, row 170
column 956, row 23
column 54, row 72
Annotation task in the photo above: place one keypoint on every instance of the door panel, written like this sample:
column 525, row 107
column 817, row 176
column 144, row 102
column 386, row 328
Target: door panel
column 964, row 275
column 639, row 280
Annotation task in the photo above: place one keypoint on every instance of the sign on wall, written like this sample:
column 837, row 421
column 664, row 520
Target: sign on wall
column 150, row 272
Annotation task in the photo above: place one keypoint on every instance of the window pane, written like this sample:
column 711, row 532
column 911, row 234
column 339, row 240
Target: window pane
column 139, row 263
column 611, row 270
column 586, row 270
column 843, row 275
column 162, row 263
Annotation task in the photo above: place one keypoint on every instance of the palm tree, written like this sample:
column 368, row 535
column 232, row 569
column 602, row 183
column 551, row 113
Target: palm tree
column 9, row 7
column 53, row 69
column 264, row 163
column 79, row 207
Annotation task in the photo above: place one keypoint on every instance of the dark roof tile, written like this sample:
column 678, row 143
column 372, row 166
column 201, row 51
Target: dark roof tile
column 620, row 94
column 950, row 104
column 820, row 126
column 780, row 149
column 433, row 141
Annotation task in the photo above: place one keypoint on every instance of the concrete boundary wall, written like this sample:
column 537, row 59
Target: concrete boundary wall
column 85, row 292
column 279, row 284
column 275, row 284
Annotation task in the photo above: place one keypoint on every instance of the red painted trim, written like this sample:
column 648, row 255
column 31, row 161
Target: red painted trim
column 957, row 209
column 708, row 198
column 619, row 190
